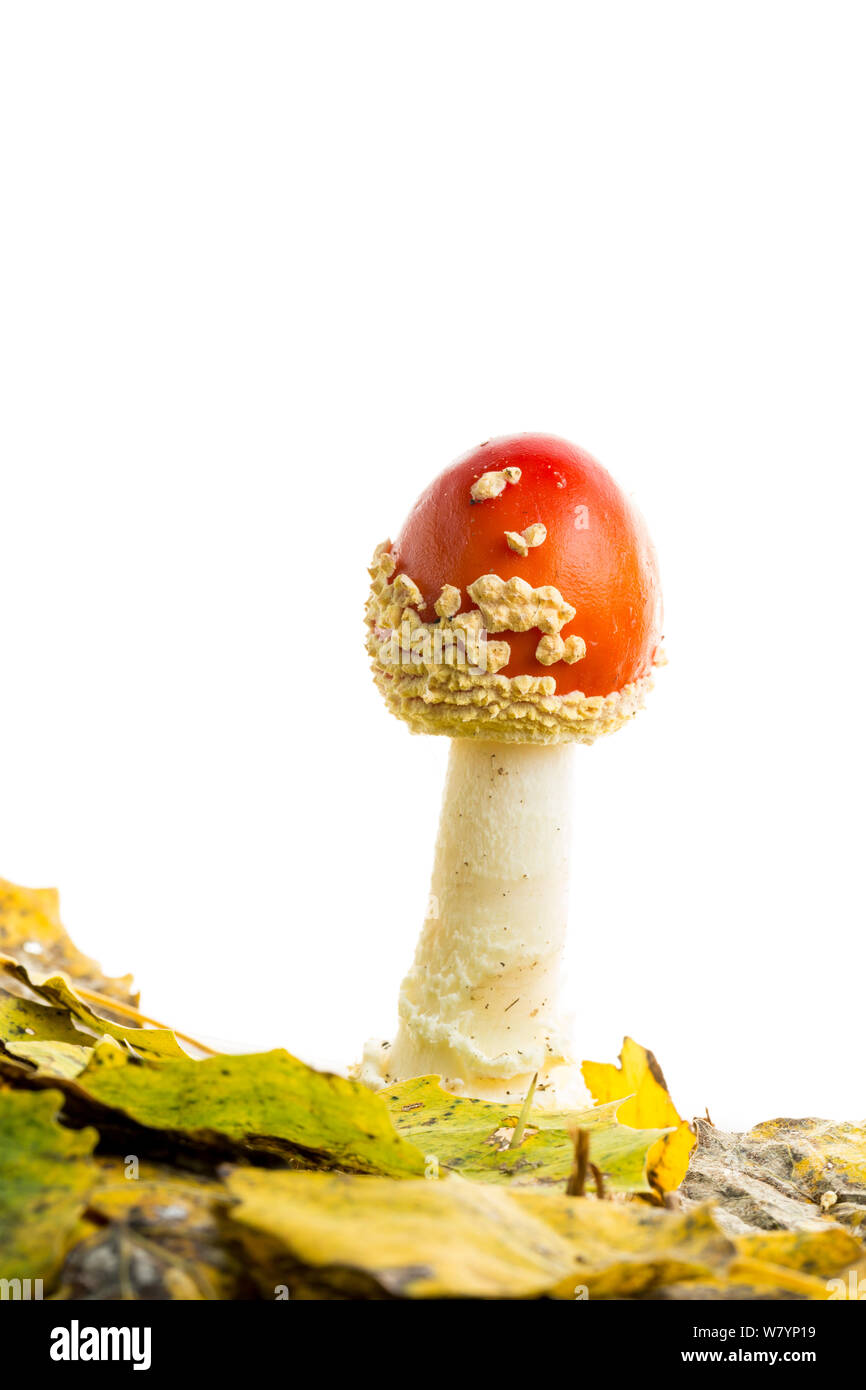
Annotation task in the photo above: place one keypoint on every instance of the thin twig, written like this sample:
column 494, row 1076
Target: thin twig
column 576, row 1185
column 10, row 966
column 599, row 1181
column 524, row 1115
column 115, row 1006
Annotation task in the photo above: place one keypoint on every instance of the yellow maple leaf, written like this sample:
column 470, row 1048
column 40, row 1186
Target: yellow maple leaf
column 639, row 1077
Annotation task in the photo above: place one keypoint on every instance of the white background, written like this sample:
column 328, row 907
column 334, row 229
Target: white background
column 265, row 270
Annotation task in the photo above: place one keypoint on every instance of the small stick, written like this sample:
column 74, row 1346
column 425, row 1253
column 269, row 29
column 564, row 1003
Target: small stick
column 599, row 1181
column 90, row 996
column 577, row 1180
column 127, row 1011
column 524, row 1115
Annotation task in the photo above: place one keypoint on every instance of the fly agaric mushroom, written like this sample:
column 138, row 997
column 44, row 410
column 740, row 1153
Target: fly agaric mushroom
column 518, row 613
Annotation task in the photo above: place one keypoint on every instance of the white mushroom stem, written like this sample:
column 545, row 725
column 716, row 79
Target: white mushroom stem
column 479, row 1006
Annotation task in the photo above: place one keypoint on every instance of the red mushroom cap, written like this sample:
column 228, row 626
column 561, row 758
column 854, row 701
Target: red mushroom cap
column 597, row 553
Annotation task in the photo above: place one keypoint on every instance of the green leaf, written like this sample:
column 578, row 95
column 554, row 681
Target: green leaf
column 59, row 994
column 23, row 1020
column 265, row 1102
column 56, row 1059
column 471, row 1137
column 45, row 1174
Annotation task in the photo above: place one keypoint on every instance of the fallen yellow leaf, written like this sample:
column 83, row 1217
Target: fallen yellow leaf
column 639, row 1077
column 461, row 1239
column 31, row 931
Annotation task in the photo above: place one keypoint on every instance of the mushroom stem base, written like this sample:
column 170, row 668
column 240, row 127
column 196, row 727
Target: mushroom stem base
column 480, row 1006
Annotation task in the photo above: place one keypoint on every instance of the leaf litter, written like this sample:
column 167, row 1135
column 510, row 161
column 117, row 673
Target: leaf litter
column 130, row 1169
